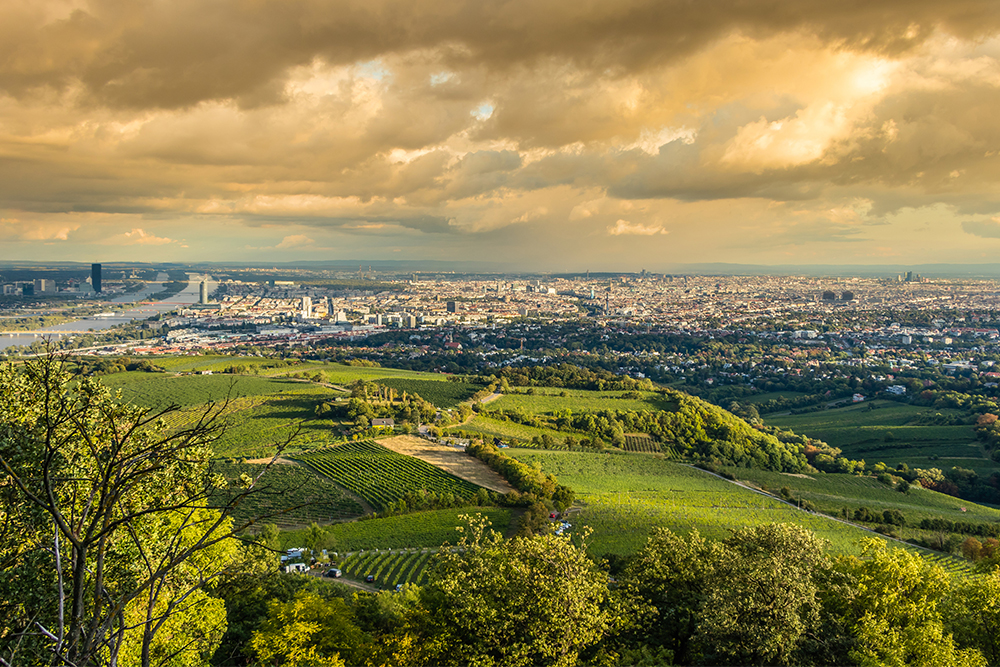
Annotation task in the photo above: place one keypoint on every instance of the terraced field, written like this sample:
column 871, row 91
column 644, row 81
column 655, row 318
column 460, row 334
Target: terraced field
column 640, row 442
column 389, row 568
column 380, row 476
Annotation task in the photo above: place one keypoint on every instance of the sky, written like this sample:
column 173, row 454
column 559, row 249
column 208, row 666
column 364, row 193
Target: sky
column 537, row 134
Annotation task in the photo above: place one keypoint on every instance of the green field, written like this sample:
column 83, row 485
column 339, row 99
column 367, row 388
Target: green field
column 623, row 496
column 428, row 529
column 886, row 434
column 548, row 401
column 158, row 390
column 830, row 492
column 287, row 495
column 381, row 476
column 507, row 430
column 760, row 398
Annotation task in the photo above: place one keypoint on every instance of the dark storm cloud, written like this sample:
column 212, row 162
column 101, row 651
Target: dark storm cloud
column 172, row 53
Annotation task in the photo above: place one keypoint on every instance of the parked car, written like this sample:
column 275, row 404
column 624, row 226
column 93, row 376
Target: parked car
column 399, row 587
column 333, row 572
column 370, row 579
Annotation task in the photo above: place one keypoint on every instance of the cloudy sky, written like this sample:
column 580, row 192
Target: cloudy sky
column 543, row 134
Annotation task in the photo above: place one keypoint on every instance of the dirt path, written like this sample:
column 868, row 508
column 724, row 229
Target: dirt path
column 449, row 459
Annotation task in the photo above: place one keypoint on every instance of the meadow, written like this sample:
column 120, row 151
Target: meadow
column 381, row 476
column 506, row 430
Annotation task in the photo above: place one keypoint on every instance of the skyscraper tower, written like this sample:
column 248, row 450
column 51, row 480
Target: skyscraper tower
column 95, row 276
column 306, row 308
column 204, row 292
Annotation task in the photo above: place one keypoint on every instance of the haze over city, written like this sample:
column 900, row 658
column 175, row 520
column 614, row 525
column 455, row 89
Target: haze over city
column 544, row 136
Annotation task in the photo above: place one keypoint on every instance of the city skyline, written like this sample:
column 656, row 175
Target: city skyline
column 539, row 136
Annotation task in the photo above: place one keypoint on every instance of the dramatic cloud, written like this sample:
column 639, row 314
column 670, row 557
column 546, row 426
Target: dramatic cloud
column 545, row 134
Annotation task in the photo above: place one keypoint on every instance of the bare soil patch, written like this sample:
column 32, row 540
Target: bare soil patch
column 449, row 459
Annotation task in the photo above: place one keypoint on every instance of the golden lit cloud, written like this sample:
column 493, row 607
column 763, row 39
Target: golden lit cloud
column 759, row 131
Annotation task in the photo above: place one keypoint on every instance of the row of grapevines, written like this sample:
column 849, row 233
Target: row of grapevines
column 382, row 476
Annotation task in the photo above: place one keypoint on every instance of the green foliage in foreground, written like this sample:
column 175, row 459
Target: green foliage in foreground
column 766, row 595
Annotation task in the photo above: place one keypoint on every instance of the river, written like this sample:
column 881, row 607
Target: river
column 139, row 311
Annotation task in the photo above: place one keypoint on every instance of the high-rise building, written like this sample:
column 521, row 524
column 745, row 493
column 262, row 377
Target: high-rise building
column 204, row 292
column 452, row 307
column 44, row 286
column 307, row 308
column 95, row 276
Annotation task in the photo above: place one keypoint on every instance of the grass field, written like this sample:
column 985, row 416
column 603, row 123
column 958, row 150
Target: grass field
column 887, row 435
column 381, row 476
column 548, row 401
column 760, row 398
column 623, row 496
column 288, row 496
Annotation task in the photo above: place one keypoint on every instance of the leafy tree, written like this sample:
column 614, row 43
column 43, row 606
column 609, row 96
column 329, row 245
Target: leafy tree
column 307, row 631
column 972, row 614
column 670, row 575
column 762, row 596
column 893, row 609
column 108, row 539
column 527, row 601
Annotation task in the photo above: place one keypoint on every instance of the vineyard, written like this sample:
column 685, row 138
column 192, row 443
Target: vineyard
column 389, row 568
column 158, row 390
column 441, row 394
column 642, row 443
column 428, row 529
column 289, row 496
column 383, row 477
column 625, row 495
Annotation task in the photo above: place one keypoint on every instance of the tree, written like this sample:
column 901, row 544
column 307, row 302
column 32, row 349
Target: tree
column 109, row 534
column 893, row 608
column 670, row 575
column 762, row 596
column 307, row 631
column 526, row 601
